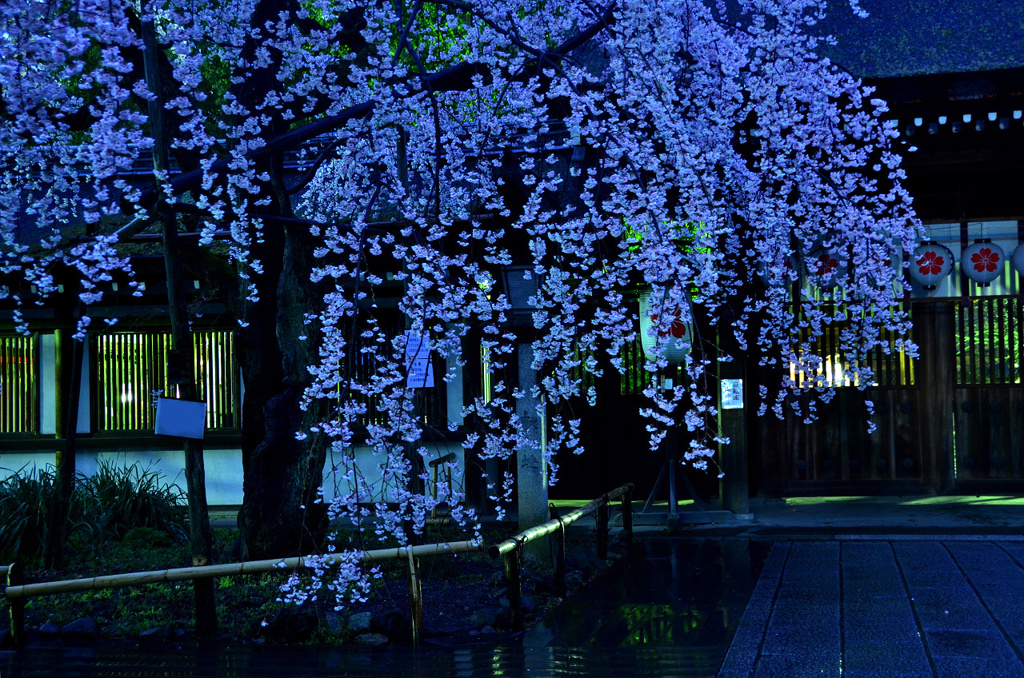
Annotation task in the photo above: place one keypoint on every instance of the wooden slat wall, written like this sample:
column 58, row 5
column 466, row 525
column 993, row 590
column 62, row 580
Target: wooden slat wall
column 131, row 366
column 837, row 445
column 894, row 368
column 19, row 388
column 988, row 415
column 431, row 403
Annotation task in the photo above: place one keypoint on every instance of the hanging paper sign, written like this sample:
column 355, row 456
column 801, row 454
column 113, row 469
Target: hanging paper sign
column 929, row 264
column 181, row 418
column 1017, row 259
column 823, row 270
column 982, row 262
column 732, row 394
column 672, row 332
column 419, row 368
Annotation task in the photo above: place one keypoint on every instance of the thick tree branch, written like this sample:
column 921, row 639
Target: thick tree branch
column 456, row 78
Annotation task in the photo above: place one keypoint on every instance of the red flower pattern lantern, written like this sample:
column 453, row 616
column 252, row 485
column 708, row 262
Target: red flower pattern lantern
column 676, row 336
column 982, row 262
column 1017, row 259
column 824, row 270
column 929, row 264
column 786, row 276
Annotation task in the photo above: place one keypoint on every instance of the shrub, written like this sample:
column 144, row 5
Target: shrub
column 25, row 501
column 118, row 499
column 105, row 506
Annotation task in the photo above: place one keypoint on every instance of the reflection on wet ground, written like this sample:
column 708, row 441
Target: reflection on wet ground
column 668, row 612
column 683, row 594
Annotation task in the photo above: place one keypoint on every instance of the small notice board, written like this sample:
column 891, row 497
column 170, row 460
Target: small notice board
column 181, row 418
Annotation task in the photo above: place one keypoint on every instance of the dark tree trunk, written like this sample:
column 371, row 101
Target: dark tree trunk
column 280, row 514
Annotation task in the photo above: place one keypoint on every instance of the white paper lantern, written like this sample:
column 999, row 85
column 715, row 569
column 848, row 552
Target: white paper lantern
column 982, row 262
column 677, row 335
column 1017, row 259
column 929, row 264
column 785, row 277
column 824, row 270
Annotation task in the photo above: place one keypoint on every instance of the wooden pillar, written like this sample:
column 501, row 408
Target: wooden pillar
column 200, row 535
column 765, row 436
column 70, row 356
column 935, row 380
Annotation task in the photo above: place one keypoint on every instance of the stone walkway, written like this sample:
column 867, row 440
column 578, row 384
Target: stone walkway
column 907, row 607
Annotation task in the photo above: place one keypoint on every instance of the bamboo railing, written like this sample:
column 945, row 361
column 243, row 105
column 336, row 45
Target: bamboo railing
column 511, row 548
column 17, row 592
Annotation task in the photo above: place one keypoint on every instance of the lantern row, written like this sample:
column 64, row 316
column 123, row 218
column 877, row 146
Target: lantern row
column 982, row 262
column 930, row 263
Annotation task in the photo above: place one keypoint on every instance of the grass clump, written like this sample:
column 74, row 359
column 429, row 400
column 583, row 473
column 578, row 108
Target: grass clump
column 25, row 501
column 104, row 507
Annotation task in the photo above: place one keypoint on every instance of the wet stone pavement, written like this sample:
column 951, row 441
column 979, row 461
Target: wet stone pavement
column 907, row 607
column 858, row 606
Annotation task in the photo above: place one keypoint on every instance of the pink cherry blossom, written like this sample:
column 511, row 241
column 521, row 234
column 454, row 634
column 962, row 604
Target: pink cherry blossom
column 604, row 146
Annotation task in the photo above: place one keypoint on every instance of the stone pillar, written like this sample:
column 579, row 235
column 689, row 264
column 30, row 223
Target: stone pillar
column 531, row 470
column 732, row 458
column 48, row 386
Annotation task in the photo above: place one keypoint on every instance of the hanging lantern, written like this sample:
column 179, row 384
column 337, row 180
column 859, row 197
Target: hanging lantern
column 676, row 335
column 786, row 275
column 824, row 270
column 929, row 264
column 1017, row 259
column 982, row 262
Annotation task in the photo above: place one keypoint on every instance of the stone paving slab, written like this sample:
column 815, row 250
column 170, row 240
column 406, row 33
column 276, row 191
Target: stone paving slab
column 899, row 608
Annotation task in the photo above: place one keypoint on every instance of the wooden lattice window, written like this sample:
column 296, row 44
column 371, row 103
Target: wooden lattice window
column 892, row 368
column 131, row 367
column 430, row 403
column 988, row 341
column 19, row 390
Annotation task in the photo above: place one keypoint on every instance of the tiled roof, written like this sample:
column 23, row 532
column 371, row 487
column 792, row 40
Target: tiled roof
column 915, row 37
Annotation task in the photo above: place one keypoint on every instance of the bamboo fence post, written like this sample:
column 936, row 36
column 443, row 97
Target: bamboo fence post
column 514, row 588
column 559, row 554
column 627, row 517
column 415, row 598
column 16, row 577
column 602, row 531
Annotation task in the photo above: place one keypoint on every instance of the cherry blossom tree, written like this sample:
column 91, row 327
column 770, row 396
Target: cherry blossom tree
column 686, row 147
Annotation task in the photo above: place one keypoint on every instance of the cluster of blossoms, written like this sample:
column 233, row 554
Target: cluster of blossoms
column 675, row 146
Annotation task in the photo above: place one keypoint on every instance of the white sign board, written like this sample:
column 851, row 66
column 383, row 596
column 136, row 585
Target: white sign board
column 181, row 418
column 732, row 394
column 419, row 368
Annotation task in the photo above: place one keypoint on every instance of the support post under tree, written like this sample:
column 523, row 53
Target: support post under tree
column 200, row 536
column 71, row 354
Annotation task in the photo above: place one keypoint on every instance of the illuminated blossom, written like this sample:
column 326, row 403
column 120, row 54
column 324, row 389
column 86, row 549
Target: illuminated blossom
column 671, row 144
